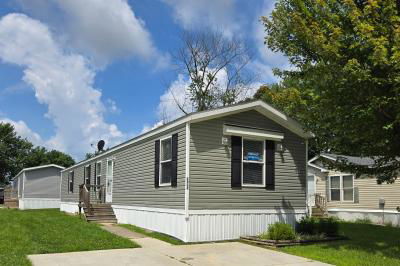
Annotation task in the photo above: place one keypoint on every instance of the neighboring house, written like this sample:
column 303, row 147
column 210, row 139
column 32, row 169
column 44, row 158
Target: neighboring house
column 349, row 197
column 38, row 187
column 207, row 176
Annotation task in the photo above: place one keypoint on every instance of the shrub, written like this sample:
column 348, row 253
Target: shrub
column 307, row 226
column 365, row 220
column 279, row 231
column 328, row 226
column 313, row 226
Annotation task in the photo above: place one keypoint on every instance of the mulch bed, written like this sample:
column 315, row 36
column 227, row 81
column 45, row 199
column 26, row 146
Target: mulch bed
column 284, row 243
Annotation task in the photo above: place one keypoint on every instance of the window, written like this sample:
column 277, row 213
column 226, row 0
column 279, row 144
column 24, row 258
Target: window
column 253, row 162
column 86, row 175
column 347, row 187
column 71, row 182
column 98, row 173
column 341, row 188
column 165, row 161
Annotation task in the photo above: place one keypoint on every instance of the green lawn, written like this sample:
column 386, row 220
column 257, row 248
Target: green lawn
column 163, row 237
column 368, row 245
column 50, row 231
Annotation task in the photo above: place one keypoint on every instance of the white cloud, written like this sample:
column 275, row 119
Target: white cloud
column 105, row 30
column 112, row 107
column 24, row 131
column 267, row 59
column 61, row 80
column 215, row 14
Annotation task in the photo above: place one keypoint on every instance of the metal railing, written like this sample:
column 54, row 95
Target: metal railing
column 91, row 194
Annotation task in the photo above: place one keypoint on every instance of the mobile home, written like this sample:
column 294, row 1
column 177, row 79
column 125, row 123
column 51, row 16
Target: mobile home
column 211, row 175
column 36, row 187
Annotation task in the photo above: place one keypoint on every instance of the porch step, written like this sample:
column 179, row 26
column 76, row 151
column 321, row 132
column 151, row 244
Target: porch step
column 317, row 212
column 100, row 213
column 11, row 203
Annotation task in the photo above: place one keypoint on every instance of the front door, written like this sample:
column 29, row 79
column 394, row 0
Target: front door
column 311, row 190
column 109, row 180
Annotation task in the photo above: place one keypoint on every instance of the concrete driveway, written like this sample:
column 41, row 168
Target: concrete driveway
column 155, row 252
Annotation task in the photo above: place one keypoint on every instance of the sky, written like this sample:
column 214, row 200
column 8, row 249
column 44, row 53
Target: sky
column 73, row 72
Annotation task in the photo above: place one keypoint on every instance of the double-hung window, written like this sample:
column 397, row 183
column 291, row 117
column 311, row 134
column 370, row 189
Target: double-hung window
column 86, row 175
column 71, row 182
column 341, row 187
column 98, row 173
column 165, row 161
column 253, row 163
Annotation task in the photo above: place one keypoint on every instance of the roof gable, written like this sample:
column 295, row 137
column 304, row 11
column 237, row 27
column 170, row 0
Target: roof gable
column 260, row 106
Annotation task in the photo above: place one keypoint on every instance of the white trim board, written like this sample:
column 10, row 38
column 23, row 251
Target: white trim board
column 259, row 106
column 252, row 133
column 361, row 210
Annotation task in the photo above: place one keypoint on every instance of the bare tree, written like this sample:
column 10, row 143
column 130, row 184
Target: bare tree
column 216, row 68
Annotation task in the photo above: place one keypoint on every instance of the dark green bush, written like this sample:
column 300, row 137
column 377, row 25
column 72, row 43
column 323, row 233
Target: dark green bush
column 279, row 231
column 312, row 226
column 328, row 226
column 307, row 226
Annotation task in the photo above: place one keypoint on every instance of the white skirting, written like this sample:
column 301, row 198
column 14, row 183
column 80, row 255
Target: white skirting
column 70, row 207
column 375, row 216
column 205, row 225
column 167, row 221
column 38, row 203
column 232, row 224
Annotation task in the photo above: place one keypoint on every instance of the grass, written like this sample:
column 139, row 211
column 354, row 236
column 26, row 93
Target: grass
column 160, row 236
column 50, row 231
column 368, row 245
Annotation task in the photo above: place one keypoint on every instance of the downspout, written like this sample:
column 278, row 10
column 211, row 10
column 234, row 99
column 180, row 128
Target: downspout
column 187, row 175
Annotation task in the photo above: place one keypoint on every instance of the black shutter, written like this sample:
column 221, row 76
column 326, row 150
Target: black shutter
column 174, row 166
column 72, row 178
column 157, row 163
column 90, row 173
column 236, row 161
column 68, row 184
column 270, row 165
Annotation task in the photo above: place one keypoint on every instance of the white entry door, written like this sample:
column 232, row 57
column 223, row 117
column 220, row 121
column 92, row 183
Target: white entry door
column 109, row 180
column 311, row 190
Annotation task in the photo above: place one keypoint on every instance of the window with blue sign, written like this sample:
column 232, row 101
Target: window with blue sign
column 253, row 162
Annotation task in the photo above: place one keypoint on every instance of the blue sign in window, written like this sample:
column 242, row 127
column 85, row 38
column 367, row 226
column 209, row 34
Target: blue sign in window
column 253, row 156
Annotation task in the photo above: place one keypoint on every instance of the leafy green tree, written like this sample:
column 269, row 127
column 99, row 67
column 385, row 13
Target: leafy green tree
column 346, row 58
column 17, row 153
column 41, row 156
column 13, row 151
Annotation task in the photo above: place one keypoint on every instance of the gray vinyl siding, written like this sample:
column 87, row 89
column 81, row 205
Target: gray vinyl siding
column 42, row 183
column 210, row 168
column 134, row 175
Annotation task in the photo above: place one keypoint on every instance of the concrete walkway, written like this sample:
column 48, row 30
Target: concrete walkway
column 156, row 252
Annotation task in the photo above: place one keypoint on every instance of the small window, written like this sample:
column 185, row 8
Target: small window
column 98, row 173
column 166, row 161
column 341, row 188
column 86, row 175
column 253, row 163
column 335, row 188
column 71, row 182
column 347, row 188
